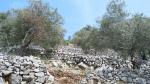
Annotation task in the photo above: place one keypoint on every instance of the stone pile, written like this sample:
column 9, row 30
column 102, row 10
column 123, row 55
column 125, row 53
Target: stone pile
column 105, row 67
column 23, row 70
column 110, row 68
column 75, row 56
column 108, row 75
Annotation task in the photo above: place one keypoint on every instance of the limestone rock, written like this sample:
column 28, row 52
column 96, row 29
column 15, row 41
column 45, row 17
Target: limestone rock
column 82, row 65
column 40, row 74
column 40, row 79
column 6, row 72
column 27, row 78
column 15, row 79
column 49, row 79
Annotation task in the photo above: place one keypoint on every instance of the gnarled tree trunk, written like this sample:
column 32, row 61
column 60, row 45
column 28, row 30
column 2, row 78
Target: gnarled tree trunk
column 27, row 40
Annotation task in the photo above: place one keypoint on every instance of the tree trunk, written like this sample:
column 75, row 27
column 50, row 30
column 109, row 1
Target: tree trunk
column 134, row 61
column 24, row 47
column 27, row 40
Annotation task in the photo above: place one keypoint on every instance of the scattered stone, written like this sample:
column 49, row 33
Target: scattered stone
column 40, row 74
column 36, row 70
column 27, row 78
column 82, row 66
column 124, row 79
column 23, row 70
column 107, row 66
column 49, row 79
column 15, row 79
column 6, row 73
column 40, row 79
column 23, row 82
column 36, row 64
column 141, row 81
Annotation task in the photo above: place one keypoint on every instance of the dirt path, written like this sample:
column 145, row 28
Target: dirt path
column 66, row 74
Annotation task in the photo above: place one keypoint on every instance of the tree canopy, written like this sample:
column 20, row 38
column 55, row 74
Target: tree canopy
column 129, row 36
column 36, row 24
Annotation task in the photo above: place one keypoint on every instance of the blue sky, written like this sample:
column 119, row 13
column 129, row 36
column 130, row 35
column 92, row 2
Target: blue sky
column 79, row 13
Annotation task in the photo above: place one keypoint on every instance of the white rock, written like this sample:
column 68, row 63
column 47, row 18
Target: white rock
column 82, row 65
column 124, row 79
column 50, row 79
column 5, row 72
column 40, row 79
column 37, row 83
column 23, row 82
column 40, row 74
column 55, row 64
column 36, row 70
column 36, row 64
column 7, row 63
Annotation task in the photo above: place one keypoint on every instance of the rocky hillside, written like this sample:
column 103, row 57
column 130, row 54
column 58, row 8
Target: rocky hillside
column 69, row 65
column 104, row 67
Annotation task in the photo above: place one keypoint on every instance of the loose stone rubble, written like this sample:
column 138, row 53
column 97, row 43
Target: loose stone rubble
column 105, row 67
column 23, row 70
column 109, row 75
column 109, row 67
column 75, row 56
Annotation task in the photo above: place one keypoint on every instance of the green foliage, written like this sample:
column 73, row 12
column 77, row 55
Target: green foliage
column 115, row 13
column 7, row 27
column 44, row 21
column 108, row 36
column 127, row 36
column 81, row 38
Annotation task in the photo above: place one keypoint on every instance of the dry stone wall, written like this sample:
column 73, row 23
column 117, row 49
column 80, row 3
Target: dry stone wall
column 23, row 70
column 107, row 68
column 110, row 68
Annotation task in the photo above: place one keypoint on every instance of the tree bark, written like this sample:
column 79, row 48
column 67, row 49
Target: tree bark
column 27, row 40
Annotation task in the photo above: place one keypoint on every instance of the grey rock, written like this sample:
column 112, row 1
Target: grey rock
column 32, row 74
column 6, row 73
column 0, row 74
column 36, row 64
column 26, row 63
column 40, row 74
column 134, row 75
column 124, row 79
column 129, row 79
column 37, row 83
column 15, row 79
column 55, row 64
column 148, row 81
column 27, row 72
column 23, row 82
column 83, row 81
column 3, row 67
column 40, row 79
column 109, row 74
column 140, row 81
column 21, row 73
column 27, row 78
column 82, row 65
column 7, row 63
column 49, row 79
column 36, row 70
